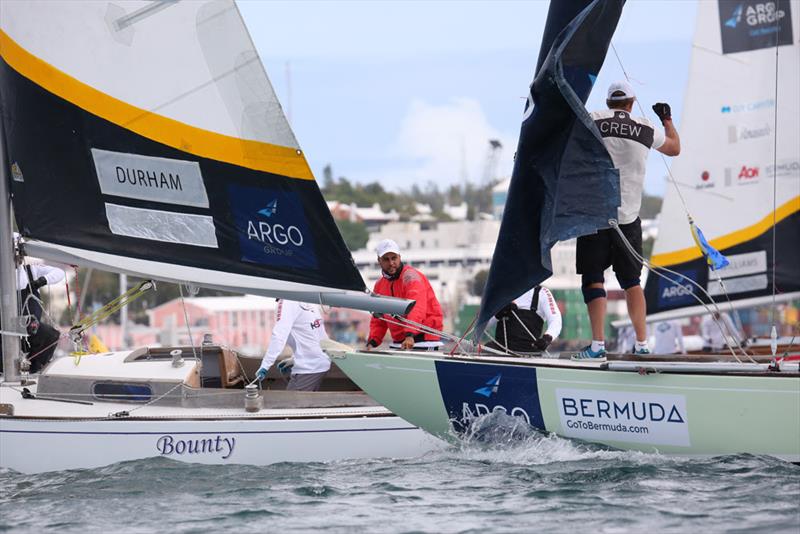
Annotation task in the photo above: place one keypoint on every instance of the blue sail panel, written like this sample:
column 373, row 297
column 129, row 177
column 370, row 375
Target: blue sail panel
column 564, row 183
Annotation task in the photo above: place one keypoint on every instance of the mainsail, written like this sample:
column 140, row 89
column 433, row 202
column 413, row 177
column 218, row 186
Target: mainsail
column 145, row 137
column 739, row 171
column 564, row 183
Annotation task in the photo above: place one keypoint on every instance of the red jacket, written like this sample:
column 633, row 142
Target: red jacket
column 411, row 284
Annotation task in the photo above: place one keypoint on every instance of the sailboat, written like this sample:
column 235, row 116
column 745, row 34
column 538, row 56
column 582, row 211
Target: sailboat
column 145, row 138
column 694, row 407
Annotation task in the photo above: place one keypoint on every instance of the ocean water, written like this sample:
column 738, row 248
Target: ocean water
column 517, row 482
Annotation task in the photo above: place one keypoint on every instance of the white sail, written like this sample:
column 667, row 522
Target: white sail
column 739, row 169
column 145, row 137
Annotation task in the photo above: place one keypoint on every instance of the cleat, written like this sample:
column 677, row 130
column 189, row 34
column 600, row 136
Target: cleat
column 641, row 352
column 587, row 354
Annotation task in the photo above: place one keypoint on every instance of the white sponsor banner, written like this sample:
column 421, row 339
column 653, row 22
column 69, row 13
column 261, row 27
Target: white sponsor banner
column 156, row 225
column 165, row 180
column 630, row 417
column 738, row 285
column 742, row 264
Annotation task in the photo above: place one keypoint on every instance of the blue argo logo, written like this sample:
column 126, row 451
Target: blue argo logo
column 272, row 227
column 470, row 391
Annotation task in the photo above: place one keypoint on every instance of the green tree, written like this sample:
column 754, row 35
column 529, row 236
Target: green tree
column 355, row 234
column 479, row 283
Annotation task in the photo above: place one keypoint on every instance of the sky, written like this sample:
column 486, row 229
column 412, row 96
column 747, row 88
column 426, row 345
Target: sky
column 411, row 92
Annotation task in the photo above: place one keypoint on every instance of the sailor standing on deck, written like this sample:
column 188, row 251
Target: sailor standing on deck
column 628, row 141
column 302, row 327
column 520, row 323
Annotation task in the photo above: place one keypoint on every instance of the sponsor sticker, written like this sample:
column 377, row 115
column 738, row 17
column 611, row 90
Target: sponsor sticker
column 655, row 419
column 677, row 293
column 754, row 24
column 744, row 284
column 742, row 264
column 165, row 180
column 784, row 168
column 747, row 133
column 470, row 391
column 272, row 227
column 157, row 225
column 746, row 107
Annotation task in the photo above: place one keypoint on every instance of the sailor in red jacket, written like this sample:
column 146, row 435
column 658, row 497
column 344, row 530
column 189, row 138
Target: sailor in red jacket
column 404, row 281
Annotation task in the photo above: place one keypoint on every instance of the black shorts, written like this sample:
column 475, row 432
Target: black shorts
column 597, row 252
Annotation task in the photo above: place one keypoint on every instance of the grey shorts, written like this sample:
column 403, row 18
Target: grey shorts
column 306, row 382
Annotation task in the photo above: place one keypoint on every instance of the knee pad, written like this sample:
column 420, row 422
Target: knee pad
column 592, row 278
column 591, row 293
column 627, row 283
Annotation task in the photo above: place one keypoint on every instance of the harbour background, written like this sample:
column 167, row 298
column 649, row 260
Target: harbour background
column 536, row 483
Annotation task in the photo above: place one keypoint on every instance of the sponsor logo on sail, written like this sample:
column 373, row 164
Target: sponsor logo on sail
column 747, row 175
column 747, row 107
column 754, row 24
column 783, row 169
column 705, row 181
column 470, row 392
column 272, row 227
column 679, row 292
column 745, row 133
column 623, row 416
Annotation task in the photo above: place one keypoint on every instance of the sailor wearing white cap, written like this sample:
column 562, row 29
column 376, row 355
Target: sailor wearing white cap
column 628, row 141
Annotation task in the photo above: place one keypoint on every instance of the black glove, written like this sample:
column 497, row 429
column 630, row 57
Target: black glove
column 543, row 342
column 663, row 111
column 506, row 311
column 38, row 283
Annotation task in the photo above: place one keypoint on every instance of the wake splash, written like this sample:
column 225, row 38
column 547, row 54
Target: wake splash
column 497, row 437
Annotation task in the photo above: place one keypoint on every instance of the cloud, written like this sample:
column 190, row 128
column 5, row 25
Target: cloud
column 441, row 143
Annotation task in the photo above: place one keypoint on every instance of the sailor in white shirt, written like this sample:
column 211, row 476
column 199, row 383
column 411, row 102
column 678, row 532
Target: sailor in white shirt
column 668, row 337
column 525, row 317
column 716, row 328
column 302, row 327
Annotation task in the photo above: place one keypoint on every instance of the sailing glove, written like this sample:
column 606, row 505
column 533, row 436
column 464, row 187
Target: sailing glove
column 38, row 283
column 507, row 310
column 663, row 111
column 261, row 374
column 543, row 342
column 285, row 366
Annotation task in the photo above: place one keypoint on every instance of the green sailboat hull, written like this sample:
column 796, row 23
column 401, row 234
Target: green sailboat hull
column 700, row 412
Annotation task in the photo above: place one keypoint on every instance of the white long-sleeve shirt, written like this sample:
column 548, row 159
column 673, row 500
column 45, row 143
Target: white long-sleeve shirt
column 53, row 275
column 669, row 338
column 302, row 327
column 714, row 335
column 546, row 308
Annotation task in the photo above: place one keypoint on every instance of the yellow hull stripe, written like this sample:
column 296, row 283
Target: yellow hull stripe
column 740, row 236
column 284, row 161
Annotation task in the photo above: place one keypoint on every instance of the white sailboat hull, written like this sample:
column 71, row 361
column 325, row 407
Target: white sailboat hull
column 37, row 442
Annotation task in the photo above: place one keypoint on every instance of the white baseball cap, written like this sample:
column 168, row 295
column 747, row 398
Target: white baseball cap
column 386, row 246
column 623, row 87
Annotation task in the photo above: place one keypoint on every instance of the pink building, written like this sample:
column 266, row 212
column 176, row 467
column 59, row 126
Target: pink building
column 242, row 323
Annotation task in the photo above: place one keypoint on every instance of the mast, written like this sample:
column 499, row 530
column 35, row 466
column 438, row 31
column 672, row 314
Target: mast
column 8, row 282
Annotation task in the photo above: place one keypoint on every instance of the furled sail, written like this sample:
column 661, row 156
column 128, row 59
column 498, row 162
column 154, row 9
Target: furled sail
column 145, row 137
column 739, row 170
column 564, row 183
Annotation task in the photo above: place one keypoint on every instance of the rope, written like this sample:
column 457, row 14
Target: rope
column 186, row 321
column 655, row 270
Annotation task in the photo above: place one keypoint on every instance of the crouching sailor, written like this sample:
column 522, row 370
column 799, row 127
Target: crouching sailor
column 520, row 323
column 302, row 327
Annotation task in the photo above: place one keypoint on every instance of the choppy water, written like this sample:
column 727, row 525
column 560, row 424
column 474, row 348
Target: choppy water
column 538, row 483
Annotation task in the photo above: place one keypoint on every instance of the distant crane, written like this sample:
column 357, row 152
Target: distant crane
column 492, row 159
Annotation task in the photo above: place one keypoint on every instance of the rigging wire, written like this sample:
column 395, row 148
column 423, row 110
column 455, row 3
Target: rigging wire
column 773, row 330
